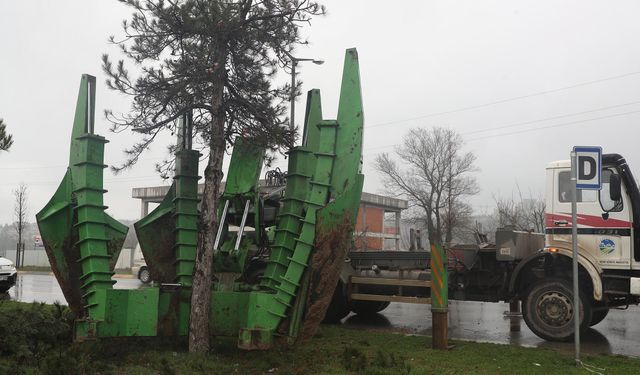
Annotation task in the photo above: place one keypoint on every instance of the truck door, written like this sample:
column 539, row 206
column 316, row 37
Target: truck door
column 604, row 226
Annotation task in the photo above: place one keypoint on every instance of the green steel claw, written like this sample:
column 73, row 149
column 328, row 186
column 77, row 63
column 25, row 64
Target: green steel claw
column 318, row 213
column 81, row 240
column 168, row 234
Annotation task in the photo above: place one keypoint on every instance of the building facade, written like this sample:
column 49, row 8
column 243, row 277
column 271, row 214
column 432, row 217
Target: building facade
column 371, row 232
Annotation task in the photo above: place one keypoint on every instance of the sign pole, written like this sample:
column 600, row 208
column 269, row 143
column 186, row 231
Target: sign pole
column 586, row 174
column 574, row 244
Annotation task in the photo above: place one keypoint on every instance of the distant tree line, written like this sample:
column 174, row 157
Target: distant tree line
column 9, row 237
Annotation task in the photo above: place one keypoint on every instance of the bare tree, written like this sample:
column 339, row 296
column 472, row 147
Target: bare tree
column 523, row 213
column 458, row 223
column 435, row 178
column 20, row 214
column 6, row 140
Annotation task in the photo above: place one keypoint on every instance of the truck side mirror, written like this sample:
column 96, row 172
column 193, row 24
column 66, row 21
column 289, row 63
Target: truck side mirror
column 614, row 188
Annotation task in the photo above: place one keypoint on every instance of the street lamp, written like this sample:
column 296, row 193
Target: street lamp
column 294, row 62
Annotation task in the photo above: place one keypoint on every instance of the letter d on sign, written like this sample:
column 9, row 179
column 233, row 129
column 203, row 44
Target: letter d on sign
column 586, row 167
column 589, row 167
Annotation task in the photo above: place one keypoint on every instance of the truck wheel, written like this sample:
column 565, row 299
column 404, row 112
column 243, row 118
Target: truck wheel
column 597, row 316
column 368, row 307
column 338, row 308
column 548, row 310
column 144, row 275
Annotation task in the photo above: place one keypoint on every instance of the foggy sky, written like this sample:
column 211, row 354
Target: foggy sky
column 544, row 75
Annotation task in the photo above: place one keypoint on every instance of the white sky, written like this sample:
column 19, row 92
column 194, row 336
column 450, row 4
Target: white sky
column 423, row 63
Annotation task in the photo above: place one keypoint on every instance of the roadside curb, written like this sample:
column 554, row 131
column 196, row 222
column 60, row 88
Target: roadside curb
column 116, row 276
column 123, row 276
column 35, row 273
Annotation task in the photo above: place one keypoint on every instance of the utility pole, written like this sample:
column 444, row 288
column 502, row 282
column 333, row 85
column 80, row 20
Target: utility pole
column 292, row 95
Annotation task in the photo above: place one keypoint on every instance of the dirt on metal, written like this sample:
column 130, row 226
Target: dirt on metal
column 159, row 257
column 69, row 281
column 325, row 265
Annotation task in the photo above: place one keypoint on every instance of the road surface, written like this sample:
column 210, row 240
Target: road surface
column 618, row 333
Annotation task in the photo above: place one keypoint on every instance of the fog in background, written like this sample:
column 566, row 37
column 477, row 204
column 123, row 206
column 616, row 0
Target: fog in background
column 522, row 81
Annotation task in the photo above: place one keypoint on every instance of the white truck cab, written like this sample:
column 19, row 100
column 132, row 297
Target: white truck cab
column 605, row 226
column 608, row 249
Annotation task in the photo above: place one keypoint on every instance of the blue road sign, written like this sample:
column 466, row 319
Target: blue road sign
column 589, row 167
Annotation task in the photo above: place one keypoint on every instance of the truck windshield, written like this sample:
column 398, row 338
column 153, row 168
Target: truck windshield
column 564, row 190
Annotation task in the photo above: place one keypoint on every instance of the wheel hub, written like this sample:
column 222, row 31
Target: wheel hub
column 555, row 309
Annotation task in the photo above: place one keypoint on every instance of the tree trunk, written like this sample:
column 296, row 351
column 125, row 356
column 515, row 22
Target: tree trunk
column 431, row 230
column 203, row 269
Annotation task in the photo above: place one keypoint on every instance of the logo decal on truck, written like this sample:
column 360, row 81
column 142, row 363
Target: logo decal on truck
column 607, row 246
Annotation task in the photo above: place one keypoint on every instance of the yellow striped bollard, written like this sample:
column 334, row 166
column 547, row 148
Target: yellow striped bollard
column 439, row 298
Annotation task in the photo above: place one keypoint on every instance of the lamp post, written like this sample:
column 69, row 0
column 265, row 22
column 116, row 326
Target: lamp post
column 294, row 62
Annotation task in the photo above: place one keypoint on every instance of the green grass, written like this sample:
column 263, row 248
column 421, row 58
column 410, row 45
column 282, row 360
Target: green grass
column 335, row 350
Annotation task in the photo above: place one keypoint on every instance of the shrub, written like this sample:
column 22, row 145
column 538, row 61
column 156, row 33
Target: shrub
column 33, row 331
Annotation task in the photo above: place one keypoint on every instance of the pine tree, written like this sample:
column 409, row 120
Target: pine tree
column 215, row 58
column 6, row 140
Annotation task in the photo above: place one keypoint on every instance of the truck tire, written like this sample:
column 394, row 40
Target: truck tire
column 548, row 310
column 339, row 307
column 368, row 307
column 598, row 315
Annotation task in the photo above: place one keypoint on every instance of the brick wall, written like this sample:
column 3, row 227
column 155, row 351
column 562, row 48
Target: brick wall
column 372, row 222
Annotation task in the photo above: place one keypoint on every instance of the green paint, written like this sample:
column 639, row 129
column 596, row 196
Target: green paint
column 439, row 279
column 320, row 201
column 332, row 182
column 240, row 195
column 81, row 240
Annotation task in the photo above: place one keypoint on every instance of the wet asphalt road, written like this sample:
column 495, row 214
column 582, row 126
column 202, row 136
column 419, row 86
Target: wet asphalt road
column 43, row 287
column 619, row 333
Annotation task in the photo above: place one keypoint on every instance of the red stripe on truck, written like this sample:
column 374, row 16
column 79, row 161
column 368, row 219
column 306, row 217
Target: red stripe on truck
column 585, row 221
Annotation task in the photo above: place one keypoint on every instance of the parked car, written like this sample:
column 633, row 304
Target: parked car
column 8, row 274
column 141, row 271
column 139, row 268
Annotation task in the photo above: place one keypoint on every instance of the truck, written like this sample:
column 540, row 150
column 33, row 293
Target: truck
column 532, row 268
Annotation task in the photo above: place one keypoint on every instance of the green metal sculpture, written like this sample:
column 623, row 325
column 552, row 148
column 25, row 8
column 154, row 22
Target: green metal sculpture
column 265, row 286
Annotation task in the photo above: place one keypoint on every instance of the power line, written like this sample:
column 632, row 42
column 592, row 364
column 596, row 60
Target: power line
column 533, row 129
column 554, row 126
column 488, row 104
column 550, row 118
column 467, row 133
